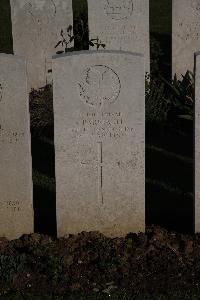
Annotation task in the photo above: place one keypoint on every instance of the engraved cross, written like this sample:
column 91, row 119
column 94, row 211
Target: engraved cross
column 1, row 92
column 100, row 172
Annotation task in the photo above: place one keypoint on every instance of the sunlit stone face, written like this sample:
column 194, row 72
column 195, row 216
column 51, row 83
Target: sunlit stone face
column 119, row 9
column 36, row 29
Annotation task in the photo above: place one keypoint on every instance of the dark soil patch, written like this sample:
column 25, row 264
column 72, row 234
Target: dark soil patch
column 158, row 262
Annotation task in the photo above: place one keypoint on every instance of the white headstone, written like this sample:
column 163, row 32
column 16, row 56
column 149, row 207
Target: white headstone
column 185, row 35
column 37, row 25
column 121, row 25
column 16, row 200
column 99, row 142
column 197, row 142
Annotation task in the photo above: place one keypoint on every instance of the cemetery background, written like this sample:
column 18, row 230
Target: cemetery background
column 169, row 151
column 169, row 173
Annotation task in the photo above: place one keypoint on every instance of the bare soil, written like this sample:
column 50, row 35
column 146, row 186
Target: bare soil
column 157, row 262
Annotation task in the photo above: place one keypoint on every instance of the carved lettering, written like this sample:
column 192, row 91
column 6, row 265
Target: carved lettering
column 9, row 136
column 13, row 206
column 119, row 9
column 102, row 125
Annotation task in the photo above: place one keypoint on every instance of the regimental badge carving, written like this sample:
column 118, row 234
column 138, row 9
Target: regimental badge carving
column 99, row 85
column 36, row 9
column 119, row 9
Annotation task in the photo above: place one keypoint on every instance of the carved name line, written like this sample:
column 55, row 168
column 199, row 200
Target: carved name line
column 102, row 124
column 120, row 29
column 96, row 122
column 189, row 36
column 103, row 132
column 189, row 27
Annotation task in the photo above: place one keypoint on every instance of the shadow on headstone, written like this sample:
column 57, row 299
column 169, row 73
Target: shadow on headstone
column 44, row 195
column 6, row 44
column 80, row 24
column 44, row 210
column 169, row 178
column 161, row 31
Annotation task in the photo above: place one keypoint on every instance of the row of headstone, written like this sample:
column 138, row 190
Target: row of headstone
column 185, row 35
column 99, row 112
column 185, row 46
column 99, row 119
column 120, row 24
column 16, row 196
column 36, row 27
column 37, row 24
column 99, row 144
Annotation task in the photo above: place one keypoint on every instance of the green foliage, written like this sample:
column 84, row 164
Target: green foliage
column 97, row 42
column 181, row 93
column 65, row 40
column 156, row 104
column 156, row 56
column 10, row 266
column 165, row 100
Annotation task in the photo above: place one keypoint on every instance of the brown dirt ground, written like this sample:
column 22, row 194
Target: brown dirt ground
column 155, row 262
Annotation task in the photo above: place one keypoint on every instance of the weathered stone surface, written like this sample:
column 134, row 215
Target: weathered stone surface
column 185, row 35
column 121, row 25
column 197, row 142
column 16, row 201
column 99, row 142
column 36, row 27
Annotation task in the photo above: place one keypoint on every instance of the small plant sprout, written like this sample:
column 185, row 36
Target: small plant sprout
column 65, row 42
column 96, row 42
